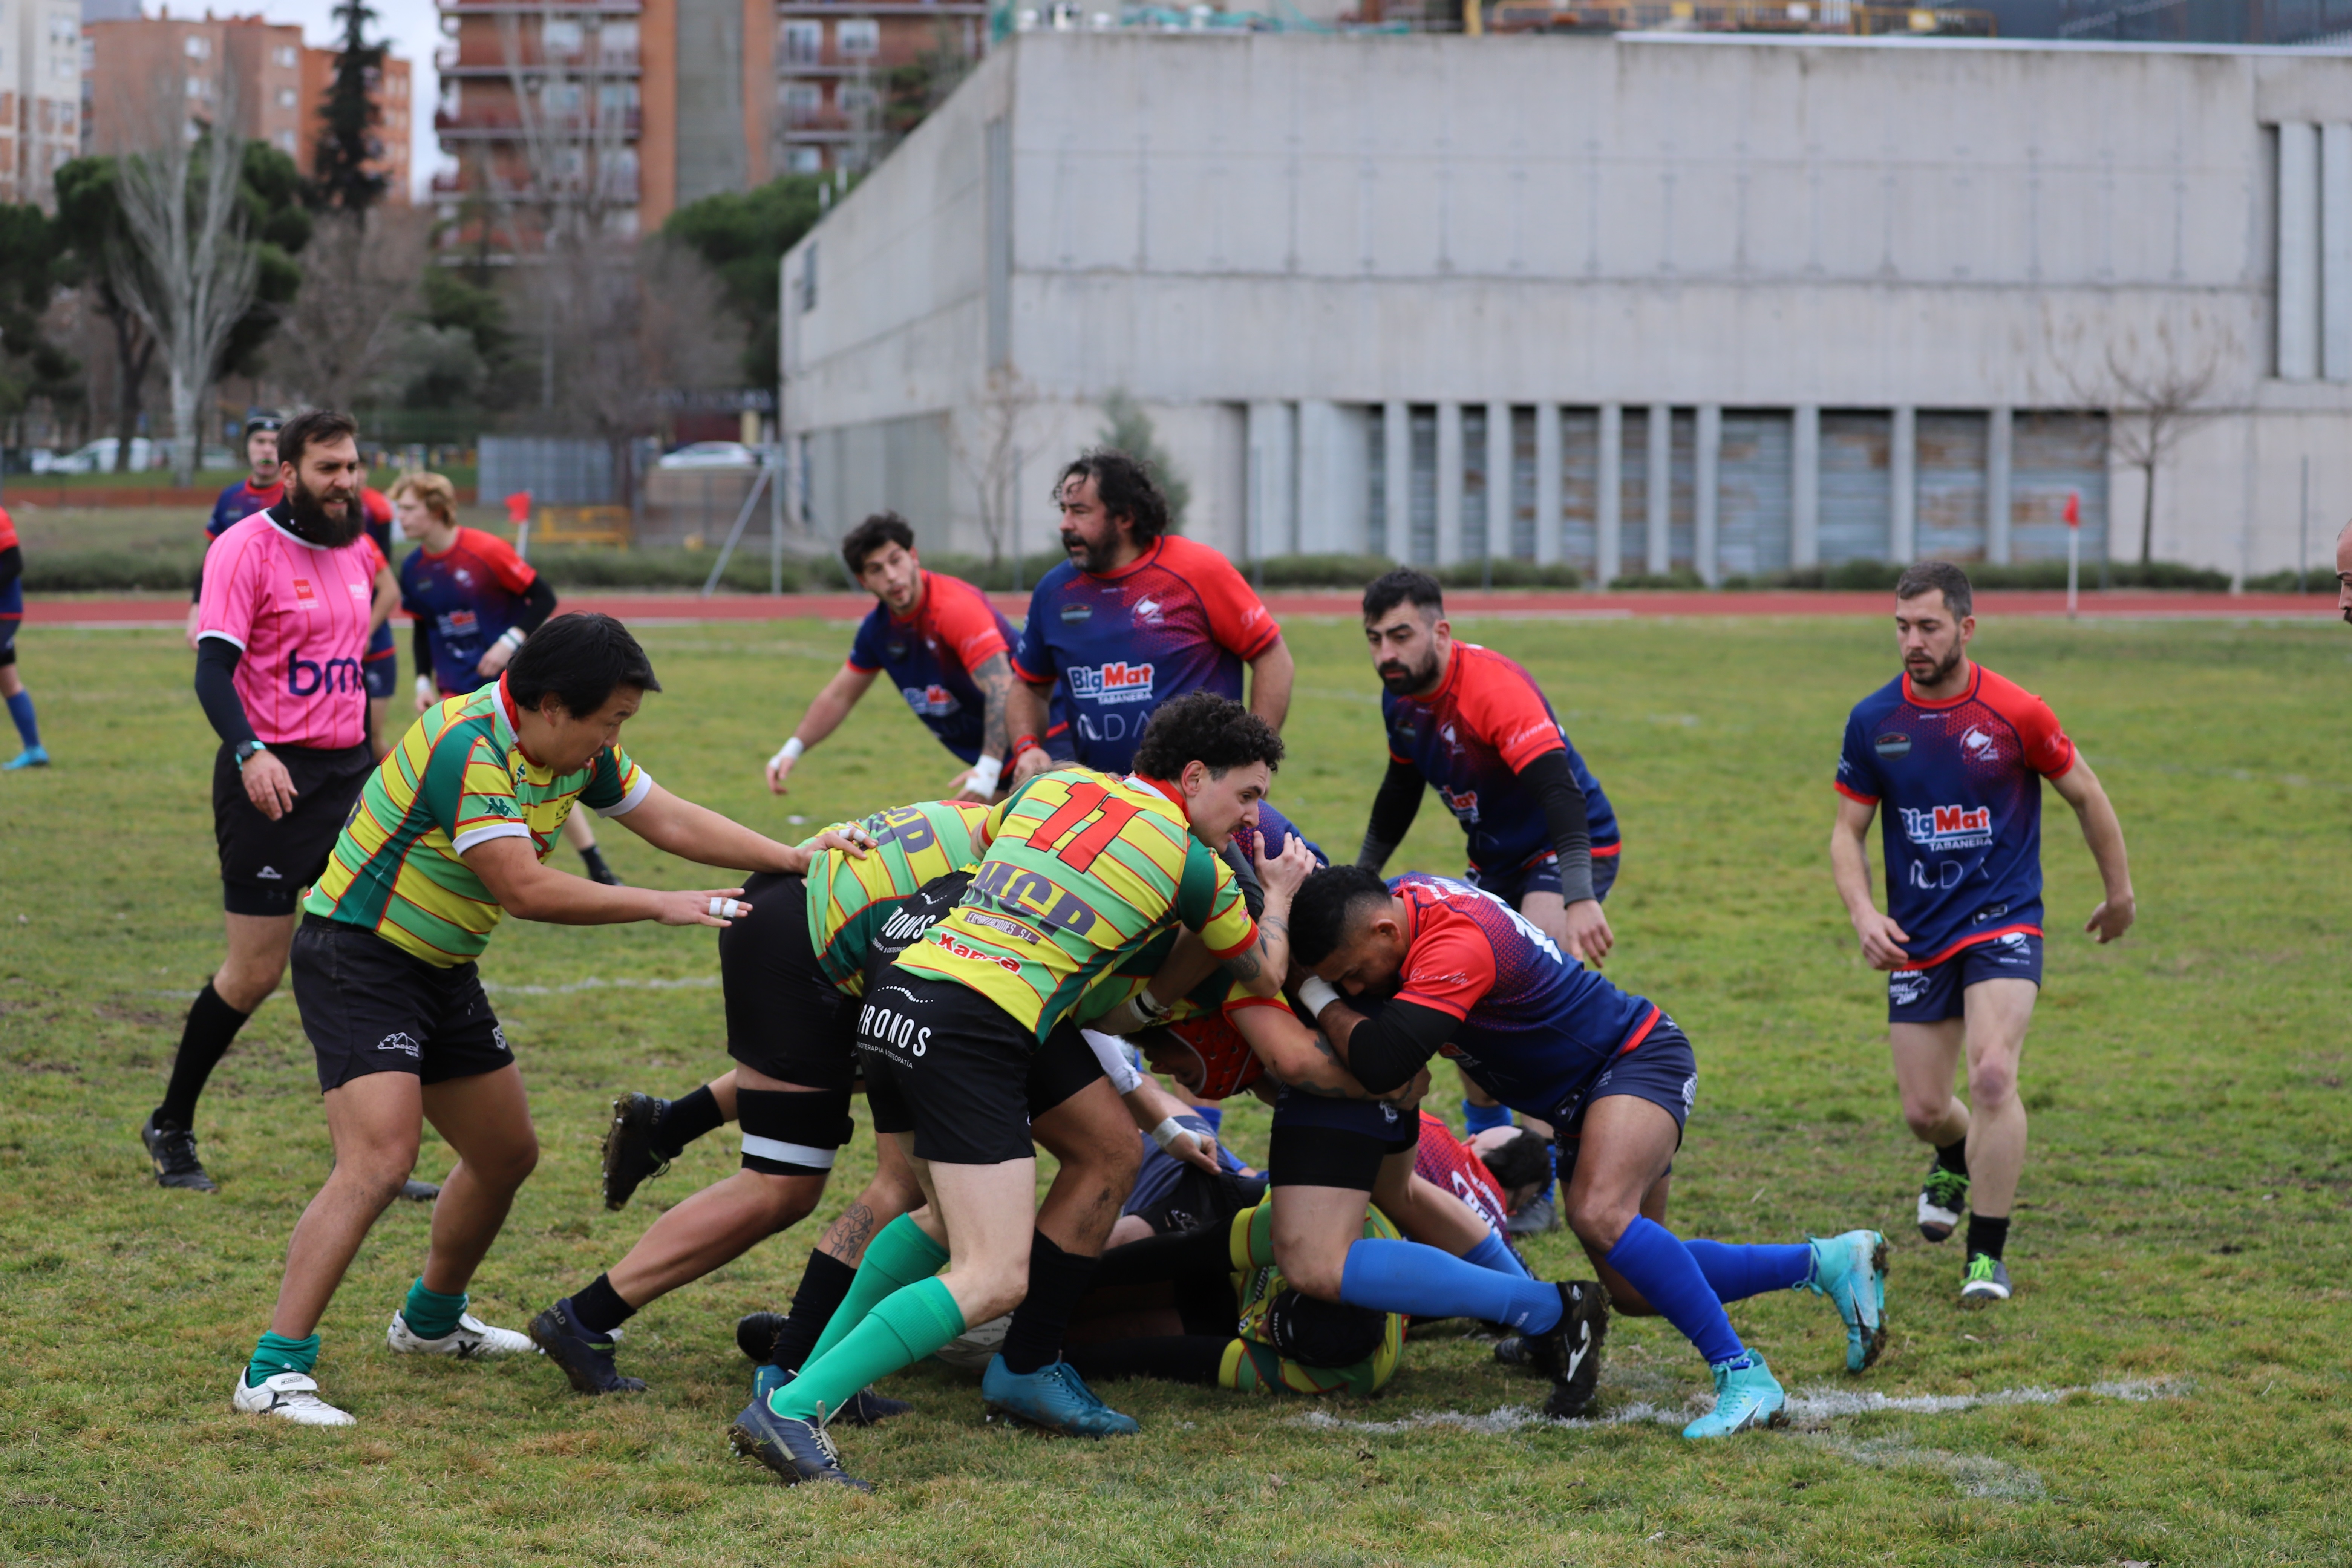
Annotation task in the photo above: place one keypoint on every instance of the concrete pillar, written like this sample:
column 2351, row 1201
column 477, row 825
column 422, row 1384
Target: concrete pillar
column 1658, row 545
column 1903, row 486
column 1272, row 480
column 1805, row 487
column 1998, row 449
column 1710, row 452
column 1329, row 506
column 1396, row 477
column 1498, row 481
column 2298, row 252
column 1548, row 522
column 1449, row 483
column 2335, row 251
column 1608, row 497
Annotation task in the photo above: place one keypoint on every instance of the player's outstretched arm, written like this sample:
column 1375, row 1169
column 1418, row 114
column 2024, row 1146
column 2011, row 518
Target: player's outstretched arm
column 2079, row 787
column 1393, row 809
column 1882, row 939
column 528, row 890
column 697, row 832
column 826, row 711
column 1272, row 675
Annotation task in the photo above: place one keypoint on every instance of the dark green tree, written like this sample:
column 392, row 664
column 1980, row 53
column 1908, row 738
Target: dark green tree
column 30, row 365
column 743, row 237
column 348, row 142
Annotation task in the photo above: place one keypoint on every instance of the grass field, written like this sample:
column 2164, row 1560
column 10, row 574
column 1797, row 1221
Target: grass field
column 2182, row 1238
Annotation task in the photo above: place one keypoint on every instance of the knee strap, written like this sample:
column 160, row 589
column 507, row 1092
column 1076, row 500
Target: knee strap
column 793, row 1132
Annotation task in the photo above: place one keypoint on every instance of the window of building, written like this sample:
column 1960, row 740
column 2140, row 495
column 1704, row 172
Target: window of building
column 560, row 37
column 288, row 97
column 803, row 43
column 284, row 56
column 858, row 100
column 618, row 43
column 801, row 101
column 198, row 46
column 857, row 35
column 285, row 140
column 804, row 161
column 200, row 86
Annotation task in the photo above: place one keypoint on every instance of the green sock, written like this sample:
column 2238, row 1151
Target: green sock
column 901, row 1255
column 273, row 1354
column 909, row 1325
column 431, row 1314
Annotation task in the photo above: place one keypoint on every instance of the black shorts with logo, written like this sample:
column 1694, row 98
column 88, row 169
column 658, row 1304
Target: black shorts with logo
column 266, row 865
column 370, row 1008
column 784, row 1018
column 962, row 1074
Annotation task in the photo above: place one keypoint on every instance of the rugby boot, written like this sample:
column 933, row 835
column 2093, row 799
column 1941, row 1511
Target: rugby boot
column 1987, row 1279
column 1851, row 1270
column 1942, row 1196
column 470, row 1339
column 586, row 1359
column 863, row 1408
column 630, row 1155
column 418, row 1192
column 1536, row 1216
column 172, row 1151
column 1055, row 1398
column 1746, row 1394
column 1569, row 1352
column 30, row 757
column 289, row 1397
column 755, row 1334
column 796, row 1450
column 1511, row 1350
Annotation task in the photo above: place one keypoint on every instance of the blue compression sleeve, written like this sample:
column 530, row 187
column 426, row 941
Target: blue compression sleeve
column 1494, row 1252
column 1406, row 1277
column 1479, row 1119
column 1736, row 1273
column 1662, row 1269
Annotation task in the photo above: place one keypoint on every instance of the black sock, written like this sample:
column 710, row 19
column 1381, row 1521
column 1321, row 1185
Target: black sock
column 599, row 1308
column 212, row 1024
column 1954, row 1156
column 1987, row 1235
column 1033, row 1341
column 594, row 858
column 824, row 1285
column 687, row 1118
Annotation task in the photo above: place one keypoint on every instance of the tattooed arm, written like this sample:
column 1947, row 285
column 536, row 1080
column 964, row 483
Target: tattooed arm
column 994, row 677
column 1261, row 966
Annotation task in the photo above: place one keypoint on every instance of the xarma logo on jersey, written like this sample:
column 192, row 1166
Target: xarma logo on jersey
column 1949, row 827
column 932, row 701
column 1978, row 743
column 1109, row 683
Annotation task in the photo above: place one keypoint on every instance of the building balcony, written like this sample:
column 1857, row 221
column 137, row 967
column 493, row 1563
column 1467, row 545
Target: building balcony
column 488, row 127
column 912, row 10
column 535, row 8
column 613, row 63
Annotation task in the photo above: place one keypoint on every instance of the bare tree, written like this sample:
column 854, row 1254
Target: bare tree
column 2155, row 392
column 350, row 324
column 191, row 275
column 987, row 440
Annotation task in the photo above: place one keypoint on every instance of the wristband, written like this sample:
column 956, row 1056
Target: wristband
column 1021, row 744
column 426, row 691
column 787, row 752
column 985, row 774
column 1170, row 1131
column 1314, row 993
column 513, row 638
column 1151, row 1010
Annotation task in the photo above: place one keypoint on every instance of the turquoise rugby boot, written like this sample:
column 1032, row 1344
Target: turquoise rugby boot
column 1745, row 1397
column 30, row 757
column 1053, row 1397
column 1851, row 1270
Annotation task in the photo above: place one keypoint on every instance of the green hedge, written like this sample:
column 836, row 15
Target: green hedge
column 110, row 570
column 1881, row 575
column 2315, row 580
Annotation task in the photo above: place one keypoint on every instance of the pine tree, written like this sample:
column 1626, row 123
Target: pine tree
column 350, row 142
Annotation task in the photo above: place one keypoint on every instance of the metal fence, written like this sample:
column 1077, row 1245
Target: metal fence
column 557, row 471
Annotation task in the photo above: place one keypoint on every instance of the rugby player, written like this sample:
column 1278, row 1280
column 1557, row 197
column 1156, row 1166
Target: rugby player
column 1958, row 755
column 2344, row 573
column 1133, row 619
column 449, row 838
column 473, row 601
column 290, row 598
column 1082, row 870
column 263, row 487
column 12, row 685
column 1463, row 973
column 380, row 670
column 946, row 649
column 1473, row 725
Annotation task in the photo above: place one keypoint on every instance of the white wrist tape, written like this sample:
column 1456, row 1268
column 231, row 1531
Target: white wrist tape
column 1318, row 994
column 513, row 638
column 1170, row 1131
column 985, row 774
column 1111, row 1052
column 1149, row 1005
column 426, row 691
column 727, row 908
column 787, row 752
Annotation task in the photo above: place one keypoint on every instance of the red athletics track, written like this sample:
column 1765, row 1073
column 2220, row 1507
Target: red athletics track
column 165, row 610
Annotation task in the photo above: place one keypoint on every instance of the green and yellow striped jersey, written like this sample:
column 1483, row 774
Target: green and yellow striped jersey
column 457, row 778
column 1081, row 870
column 1252, row 1364
column 851, row 897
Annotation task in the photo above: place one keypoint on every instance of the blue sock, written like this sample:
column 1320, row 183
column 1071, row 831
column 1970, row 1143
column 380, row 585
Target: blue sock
column 1406, row 1277
column 20, row 708
column 1494, row 1252
column 1668, row 1276
column 1481, row 1118
column 1214, row 1115
column 1736, row 1273
column 1550, row 1180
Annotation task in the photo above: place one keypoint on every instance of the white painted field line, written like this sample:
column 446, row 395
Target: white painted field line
column 594, row 983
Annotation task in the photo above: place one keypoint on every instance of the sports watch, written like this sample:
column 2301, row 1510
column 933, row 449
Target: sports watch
column 244, row 751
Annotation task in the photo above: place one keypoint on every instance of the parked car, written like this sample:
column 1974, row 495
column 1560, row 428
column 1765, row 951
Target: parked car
column 98, row 458
column 710, row 455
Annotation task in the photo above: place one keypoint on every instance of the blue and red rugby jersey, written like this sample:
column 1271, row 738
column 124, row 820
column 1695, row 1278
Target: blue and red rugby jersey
column 931, row 654
column 467, row 598
column 1536, row 1026
column 1960, row 781
column 241, row 500
column 376, row 507
column 1486, row 721
column 1178, row 619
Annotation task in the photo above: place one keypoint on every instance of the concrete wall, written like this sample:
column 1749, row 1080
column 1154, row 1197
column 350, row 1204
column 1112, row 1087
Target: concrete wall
column 1263, row 238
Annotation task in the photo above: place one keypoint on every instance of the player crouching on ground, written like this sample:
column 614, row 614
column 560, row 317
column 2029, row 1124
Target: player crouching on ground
column 450, row 835
column 1465, row 974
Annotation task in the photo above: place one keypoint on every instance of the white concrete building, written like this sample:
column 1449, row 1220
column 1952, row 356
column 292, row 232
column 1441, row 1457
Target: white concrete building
column 1644, row 303
column 40, row 95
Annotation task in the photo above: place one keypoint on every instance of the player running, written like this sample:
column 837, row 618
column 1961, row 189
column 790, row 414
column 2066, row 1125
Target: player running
column 291, row 597
column 450, row 837
column 1133, row 620
column 472, row 601
column 1465, row 976
column 944, row 645
column 12, row 685
column 1957, row 754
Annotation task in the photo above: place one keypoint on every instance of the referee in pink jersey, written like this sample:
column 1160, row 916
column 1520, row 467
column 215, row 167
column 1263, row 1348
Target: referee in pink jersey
column 289, row 600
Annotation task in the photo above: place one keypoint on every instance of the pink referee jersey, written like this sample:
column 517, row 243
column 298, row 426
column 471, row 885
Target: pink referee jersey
column 300, row 615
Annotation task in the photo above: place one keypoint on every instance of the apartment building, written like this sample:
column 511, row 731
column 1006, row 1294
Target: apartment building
column 40, row 72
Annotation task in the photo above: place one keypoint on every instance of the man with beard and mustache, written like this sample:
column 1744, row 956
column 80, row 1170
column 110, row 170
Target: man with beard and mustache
column 291, row 597
column 1958, row 755
column 1131, row 621
column 1473, row 726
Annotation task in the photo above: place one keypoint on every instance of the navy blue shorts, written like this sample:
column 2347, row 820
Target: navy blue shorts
column 1541, row 875
column 1932, row 995
column 381, row 676
column 1662, row 1069
column 1322, row 1143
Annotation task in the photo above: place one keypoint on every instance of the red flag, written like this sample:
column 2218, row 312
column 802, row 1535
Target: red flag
column 519, row 508
column 2073, row 509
